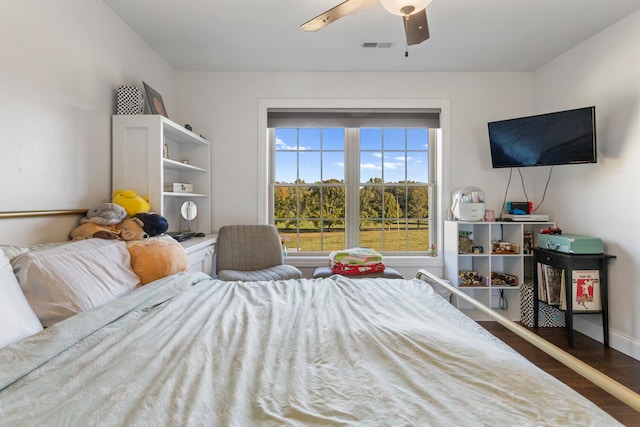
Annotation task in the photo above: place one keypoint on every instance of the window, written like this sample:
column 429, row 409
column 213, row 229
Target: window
column 357, row 184
column 394, row 189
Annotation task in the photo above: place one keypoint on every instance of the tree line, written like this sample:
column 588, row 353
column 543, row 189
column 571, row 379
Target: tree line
column 324, row 205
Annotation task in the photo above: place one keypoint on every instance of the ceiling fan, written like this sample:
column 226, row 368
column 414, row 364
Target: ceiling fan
column 413, row 12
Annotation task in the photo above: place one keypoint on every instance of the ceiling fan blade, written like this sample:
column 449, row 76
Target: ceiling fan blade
column 416, row 27
column 343, row 9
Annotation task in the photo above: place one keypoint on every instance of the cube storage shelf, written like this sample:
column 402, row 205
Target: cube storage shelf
column 490, row 261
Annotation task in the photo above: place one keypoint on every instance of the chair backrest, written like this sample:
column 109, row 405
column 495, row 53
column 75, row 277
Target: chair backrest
column 248, row 247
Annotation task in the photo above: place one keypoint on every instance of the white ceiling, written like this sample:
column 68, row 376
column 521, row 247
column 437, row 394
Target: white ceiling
column 466, row 35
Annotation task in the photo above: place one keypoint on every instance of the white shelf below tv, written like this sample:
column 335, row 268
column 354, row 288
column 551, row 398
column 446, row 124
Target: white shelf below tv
column 518, row 264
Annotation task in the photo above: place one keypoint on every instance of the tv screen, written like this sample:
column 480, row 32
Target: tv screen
column 564, row 137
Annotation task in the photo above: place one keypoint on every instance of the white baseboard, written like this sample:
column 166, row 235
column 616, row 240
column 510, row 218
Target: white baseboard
column 617, row 341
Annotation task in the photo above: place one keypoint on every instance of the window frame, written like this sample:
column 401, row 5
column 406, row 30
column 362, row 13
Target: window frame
column 441, row 172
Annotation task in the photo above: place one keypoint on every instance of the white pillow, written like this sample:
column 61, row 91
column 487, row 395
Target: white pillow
column 17, row 319
column 75, row 277
column 12, row 251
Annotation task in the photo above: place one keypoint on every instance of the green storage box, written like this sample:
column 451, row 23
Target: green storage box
column 571, row 243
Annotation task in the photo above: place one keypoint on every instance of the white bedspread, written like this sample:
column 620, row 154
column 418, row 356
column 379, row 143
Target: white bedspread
column 192, row 351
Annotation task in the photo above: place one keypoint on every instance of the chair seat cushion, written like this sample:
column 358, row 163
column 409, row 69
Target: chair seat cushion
column 278, row 272
column 388, row 273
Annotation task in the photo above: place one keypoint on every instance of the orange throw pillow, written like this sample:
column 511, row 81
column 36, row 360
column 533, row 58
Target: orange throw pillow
column 157, row 257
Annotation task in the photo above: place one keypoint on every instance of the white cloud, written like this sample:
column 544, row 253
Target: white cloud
column 370, row 166
column 281, row 145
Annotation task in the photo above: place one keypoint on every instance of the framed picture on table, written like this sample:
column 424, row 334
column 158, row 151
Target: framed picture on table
column 586, row 290
column 154, row 99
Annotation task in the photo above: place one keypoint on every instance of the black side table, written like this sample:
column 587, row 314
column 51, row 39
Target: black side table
column 569, row 263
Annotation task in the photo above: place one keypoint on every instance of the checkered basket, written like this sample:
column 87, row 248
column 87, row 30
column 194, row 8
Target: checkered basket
column 130, row 100
column 548, row 316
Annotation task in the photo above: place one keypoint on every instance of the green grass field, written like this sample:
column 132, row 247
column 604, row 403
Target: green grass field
column 394, row 240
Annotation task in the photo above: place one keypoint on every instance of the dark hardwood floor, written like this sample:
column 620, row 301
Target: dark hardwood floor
column 620, row 367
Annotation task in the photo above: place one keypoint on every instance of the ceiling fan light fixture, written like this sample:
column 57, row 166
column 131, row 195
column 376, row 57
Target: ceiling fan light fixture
column 404, row 7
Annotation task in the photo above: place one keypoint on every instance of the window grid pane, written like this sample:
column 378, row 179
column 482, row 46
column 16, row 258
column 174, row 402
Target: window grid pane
column 392, row 198
column 309, row 204
column 393, row 204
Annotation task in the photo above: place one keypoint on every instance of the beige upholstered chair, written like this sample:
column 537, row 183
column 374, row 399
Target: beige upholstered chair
column 251, row 253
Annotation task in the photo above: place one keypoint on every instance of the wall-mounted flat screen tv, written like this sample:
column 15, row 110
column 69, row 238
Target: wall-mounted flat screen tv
column 560, row 138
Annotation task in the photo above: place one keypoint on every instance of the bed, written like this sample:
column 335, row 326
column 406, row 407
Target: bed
column 191, row 350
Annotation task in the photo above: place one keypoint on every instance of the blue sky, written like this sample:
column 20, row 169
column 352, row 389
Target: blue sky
column 322, row 154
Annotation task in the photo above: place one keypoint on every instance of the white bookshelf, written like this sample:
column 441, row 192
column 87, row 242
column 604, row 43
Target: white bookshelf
column 139, row 164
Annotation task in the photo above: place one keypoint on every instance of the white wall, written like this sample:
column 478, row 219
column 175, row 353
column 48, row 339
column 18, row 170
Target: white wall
column 603, row 199
column 61, row 62
column 224, row 108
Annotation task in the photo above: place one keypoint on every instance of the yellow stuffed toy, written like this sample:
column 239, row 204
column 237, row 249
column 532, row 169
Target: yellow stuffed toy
column 131, row 202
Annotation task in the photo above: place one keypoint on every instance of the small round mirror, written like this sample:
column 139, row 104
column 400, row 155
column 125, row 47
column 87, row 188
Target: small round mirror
column 189, row 210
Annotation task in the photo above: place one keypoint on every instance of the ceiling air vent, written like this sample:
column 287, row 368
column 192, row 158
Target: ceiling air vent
column 377, row 45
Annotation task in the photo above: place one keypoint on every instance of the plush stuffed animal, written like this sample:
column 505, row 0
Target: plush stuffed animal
column 89, row 230
column 127, row 230
column 153, row 223
column 131, row 202
column 105, row 214
column 131, row 229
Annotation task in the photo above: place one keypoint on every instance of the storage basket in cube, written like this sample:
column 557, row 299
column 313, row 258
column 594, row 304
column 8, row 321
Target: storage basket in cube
column 548, row 315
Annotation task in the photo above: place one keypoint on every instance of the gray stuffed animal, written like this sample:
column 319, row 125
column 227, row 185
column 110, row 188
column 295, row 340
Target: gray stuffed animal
column 105, row 214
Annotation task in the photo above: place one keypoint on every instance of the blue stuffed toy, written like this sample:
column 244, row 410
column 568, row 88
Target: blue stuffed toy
column 153, row 224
